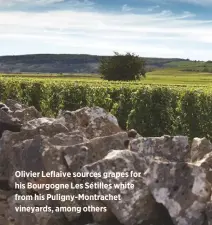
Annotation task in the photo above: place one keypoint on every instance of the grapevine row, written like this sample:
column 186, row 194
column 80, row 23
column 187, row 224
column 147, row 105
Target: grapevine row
column 151, row 110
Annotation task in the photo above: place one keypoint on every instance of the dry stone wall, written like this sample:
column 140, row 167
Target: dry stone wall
column 173, row 186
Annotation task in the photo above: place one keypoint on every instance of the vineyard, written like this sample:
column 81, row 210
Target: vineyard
column 153, row 110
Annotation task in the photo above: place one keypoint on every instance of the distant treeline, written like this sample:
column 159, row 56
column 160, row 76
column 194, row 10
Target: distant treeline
column 67, row 63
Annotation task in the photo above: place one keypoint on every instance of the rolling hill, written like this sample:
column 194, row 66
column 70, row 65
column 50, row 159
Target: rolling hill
column 78, row 63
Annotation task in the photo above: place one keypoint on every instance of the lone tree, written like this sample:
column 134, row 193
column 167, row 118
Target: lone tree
column 122, row 67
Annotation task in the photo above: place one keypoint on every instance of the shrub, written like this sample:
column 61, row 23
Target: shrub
column 122, row 67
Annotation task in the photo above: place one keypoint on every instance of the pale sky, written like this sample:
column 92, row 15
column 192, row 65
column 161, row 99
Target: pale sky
column 150, row 28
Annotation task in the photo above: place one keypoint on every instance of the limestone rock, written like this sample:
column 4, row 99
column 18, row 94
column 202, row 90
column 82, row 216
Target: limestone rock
column 25, row 218
column 76, row 156
column 92, row 224
column 38, row 122
column 14, row 105
column 9, row 123
column 27, row 114
column 181, row 187
column 53, row 160
column 206, row 163
column 171, row 148
column 45, row 126
column 8, row 140
column 5, row 108
column 37, row 155
column 209, row 213
column 98, row 148
column 94, row 122
column 168, row 191
column 68, row 139
column 9, row 127
column 137, row 204
column 199, row 148
column 6, row 117
column 102, row 217
column 26, row 156
column 132, row 134
column 40, row 126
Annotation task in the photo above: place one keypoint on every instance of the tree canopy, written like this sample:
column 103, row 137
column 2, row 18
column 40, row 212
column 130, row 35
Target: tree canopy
column 122, row 67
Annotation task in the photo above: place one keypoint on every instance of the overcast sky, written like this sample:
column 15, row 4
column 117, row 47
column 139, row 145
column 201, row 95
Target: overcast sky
column 150, row 28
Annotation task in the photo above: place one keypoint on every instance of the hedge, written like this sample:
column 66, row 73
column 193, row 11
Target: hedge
column 151, row 110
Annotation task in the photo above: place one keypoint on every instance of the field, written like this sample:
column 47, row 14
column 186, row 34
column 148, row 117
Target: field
column 176, row 77
column 167, row 101
column 160, row 77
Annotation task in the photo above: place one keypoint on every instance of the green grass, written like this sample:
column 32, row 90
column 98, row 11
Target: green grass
column 174, row 77
column 197, row 66
column 185, row 63
column 52, row 75
column 166, row 77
